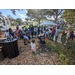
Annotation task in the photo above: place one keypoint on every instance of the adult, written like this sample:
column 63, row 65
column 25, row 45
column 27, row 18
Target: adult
column 17, row 31
column 35, row 31
column 26, row 39
column 38, row 30
column 41, row 31
column 71, row 35
column 7, row 34
column 32, row 31
column 29, row 29
column 57, row 33
column 23, row 31
column 50, row 30
column 20, row 34
column 53, row 32
column 11, row 32
column 28, row 33
column 44, row 31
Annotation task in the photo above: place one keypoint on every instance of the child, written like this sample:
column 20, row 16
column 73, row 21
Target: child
column 47, row 33
column 33, row 47
column 15, row 36
column 7, row 35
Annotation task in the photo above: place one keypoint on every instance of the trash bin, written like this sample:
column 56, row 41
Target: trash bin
column 10, row 49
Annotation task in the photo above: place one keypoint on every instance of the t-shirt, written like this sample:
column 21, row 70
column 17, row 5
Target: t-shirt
column 7, row 34
column 44, row 31
column 47, row 32
column 33, row 45
column 35, row 29
column 27, row 33
column 57, row 32
column 23, row 31
column 29, row 29
column 50, row 31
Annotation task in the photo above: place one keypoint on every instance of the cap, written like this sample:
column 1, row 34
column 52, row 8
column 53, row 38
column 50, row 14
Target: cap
column 33, row 40
column 54, row 26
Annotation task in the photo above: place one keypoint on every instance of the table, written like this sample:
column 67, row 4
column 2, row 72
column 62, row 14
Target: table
column 10, row 48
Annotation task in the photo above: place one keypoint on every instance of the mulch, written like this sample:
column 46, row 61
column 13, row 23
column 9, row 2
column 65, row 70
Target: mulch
column 25, row 56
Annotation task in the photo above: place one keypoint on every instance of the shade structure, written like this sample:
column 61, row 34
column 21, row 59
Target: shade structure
column 48, row 23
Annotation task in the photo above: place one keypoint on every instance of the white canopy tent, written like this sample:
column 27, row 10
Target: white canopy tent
column 47, row 23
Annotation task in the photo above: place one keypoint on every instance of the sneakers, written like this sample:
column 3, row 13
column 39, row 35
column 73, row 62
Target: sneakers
column 33, row 54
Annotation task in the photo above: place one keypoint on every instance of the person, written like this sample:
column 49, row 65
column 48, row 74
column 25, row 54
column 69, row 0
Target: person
column 47, row 33
column 28, row 33
column 35, row 31
column 11, row 32
column 23, row 31
column 17, row 31
column 25, row 38
column 44, row 31
column 32, row 31
column 7, row 35
column 71, row 35
column 63, row 38
column 29, row 29
column 0, row 31
column 57, row 33
column 41, row 31
column 50, row 30
column 38, row 30
column 20, row 34
column 53, row 32
column 33, row 47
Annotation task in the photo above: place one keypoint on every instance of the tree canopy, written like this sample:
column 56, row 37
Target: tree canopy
column 69, row 15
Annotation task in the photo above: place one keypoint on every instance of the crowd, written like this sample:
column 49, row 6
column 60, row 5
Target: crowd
column 26, row 34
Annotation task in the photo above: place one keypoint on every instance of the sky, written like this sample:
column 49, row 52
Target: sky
column 19, row 14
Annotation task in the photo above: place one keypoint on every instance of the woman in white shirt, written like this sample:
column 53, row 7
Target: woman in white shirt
column 7, row 35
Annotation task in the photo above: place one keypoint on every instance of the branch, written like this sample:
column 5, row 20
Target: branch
column 60, row 12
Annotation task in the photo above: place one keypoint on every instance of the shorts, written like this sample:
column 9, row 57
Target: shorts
column 50, row 34
column 33, row 49
column 32, row 33
column 21, row 36
column 8, row 37
column 29, row 37
column 35, row 32
column 46, row 34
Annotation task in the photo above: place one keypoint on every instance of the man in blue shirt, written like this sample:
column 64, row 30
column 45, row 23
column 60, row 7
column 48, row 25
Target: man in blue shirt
column 29, row 29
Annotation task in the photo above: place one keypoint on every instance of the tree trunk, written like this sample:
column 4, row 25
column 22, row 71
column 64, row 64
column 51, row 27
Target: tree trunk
column 39, row 22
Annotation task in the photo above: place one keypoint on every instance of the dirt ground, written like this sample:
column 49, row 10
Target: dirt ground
column 25, row 57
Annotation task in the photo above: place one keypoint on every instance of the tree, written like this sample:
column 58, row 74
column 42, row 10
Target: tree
column 55, row 13
column 19, row 21
column 69, row 15
column 36, row 14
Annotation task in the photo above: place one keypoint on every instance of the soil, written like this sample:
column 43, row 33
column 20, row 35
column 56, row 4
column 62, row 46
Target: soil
column 25, row 56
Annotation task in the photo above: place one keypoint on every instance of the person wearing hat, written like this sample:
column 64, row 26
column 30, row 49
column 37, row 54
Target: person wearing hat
column 7, row 34
column 53, row 32
column 57, row 33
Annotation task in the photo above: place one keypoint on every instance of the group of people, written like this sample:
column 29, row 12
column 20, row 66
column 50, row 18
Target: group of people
column 26, row 34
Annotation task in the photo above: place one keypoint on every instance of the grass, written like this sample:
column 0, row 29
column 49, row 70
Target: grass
column 65, row 55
